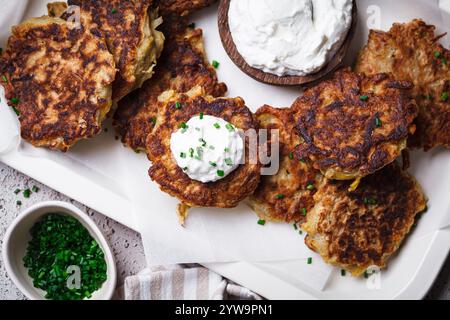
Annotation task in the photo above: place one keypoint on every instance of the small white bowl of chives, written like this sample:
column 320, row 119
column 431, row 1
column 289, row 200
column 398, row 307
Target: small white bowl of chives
column 17, row 240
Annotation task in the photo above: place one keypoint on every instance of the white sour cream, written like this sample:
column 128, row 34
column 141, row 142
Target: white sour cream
column 207, row 148
column 289, row 37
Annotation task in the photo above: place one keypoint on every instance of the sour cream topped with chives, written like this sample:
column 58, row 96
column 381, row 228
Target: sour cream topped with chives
column 289, row 37
column 207, row 148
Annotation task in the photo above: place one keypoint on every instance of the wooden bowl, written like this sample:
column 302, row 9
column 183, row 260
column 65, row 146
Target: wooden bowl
column 233, row 53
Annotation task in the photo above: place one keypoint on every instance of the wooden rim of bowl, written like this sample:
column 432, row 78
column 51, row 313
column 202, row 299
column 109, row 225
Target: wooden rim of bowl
column 259, row 75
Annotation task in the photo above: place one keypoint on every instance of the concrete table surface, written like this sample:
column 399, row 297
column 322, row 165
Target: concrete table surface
column 126, row 244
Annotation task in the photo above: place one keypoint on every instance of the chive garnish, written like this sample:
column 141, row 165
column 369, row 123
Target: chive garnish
column 191, row 152
column 300, row 232
column 203, row 142
column 15, row 100
column 444, row 61
column 220, row 173
column 304, row 211
column 291, row 155
column 17, row 191
column 114, row 11
column 309, row 260
column 216, row 125
column 228, row 162
column 213, row 164
column 343, row 272
column 199, row 155
column 370, row 201
column 437, row 54
column 444, row 96
column 378, row 122
column 153, row 120
column 177, row 105
column 310, row 186
column 295, row 226
column 201, row 115
column 35, row 189
column 230, row 127
column 261, row 222
column 183, row 155
column 183, row 125
column 19, row 203
column 215, row 64
column 5, row 79
column 280, row 196
column 17, row 112
column 26, row 193
column 192, row 25
column 363, row 98
column 302, row 160
column 226, row 149
column 185, row 168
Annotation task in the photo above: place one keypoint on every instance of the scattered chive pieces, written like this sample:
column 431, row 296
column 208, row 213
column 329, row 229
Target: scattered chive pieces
column 437, row 54
column 215, row 64
column 230, row 127
column 35, row 189
column 177, row 105
column 137, row 151
column 192, row 25
column 310, row 187
column 213, row 164
column 15, row 100
column 26, row 193
column 17, row 191
column 363, row 98
column 220, row 173
column 19, row 203
column 291, row 155
column 57, row 242
column 191, row 152
column 280, row 196
column 226, row 149
column 153, row 120
column 201, row 115
column 216, row 125
column 183, row 125
column 202, row 141
column 378, row 122
column 444, row 61
column 5, row 79
column 228, row 162
column 261, row 222
column 295, row 226
column 183, row 155
column 17, row 112
column 309, row 260
column 371, row 201
column 114, row 11
column 300, row 232
column 185, row 168
column 302, row 161
column 366, row 274
column 304, row 211
column 343, row 272
column 444, row 96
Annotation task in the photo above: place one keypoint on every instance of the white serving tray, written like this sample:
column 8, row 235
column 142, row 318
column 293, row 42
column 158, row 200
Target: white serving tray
column 93, row 175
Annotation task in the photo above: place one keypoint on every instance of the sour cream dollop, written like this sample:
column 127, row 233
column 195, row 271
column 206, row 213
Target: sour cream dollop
column 207, row 148
column 289, row 37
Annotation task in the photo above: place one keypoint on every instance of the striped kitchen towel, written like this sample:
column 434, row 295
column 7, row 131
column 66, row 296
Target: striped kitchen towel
column 182, row 282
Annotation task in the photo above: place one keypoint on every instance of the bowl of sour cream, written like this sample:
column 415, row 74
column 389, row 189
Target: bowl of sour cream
column 287, row 42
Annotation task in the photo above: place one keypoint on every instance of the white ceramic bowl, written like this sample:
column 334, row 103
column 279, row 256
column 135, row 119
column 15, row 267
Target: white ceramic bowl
column 16, row 241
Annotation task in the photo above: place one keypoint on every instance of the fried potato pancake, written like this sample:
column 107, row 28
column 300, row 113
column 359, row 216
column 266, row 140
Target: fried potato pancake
column 224, row 193
column 181, row 7
column 360, row 229
column 59, row 78
column 182, row 66
column 354, row 125
column 411, row 52
column 129, row 27
column 287, row 195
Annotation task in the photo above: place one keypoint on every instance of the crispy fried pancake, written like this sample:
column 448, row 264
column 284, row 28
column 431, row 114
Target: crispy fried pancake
column 284, row 197
column 59, row 78
column 411, row 52
column 182, row 66
column 181, row 7
column 130, row 31
column 363, row 228
column 354, row 125
column 224, row 193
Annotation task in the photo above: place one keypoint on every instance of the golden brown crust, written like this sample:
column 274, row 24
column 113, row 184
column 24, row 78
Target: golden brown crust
column 181, row 7
column 224, row 193
column 412, row 52
column 62, row 78
column 182, row 66
column 284, row 197
column 354, row 125
column 363, row 228
column 128, row 27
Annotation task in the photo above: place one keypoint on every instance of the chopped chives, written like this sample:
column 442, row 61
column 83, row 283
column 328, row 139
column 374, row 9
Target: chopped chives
column 437, row 54
column 444, row 61
column 35, row 189
column 183, row 125
column 202, row 141
column 280, row 196
column 230, row 127
column 17, row 112
column 19, row 203
column 378, row 122
column 201, row 115
column 300, row 232
column 26, row 193
column 261, row 222
column 371, row 201
column 310, row 186
column 17, row 191
column 363, row 98
column 295, row 226
column 15, row 100
column 220, row 173
column 216, row 125
column 291, row 155
column 226, row 149
column 177, row 105
column 309, row 260
column 228, row 162
column 185, row 168
column 153, row 120
column 114, row 11
column 304, row 211
column 215, row 64
column 183, row 155
column 302, row 160
column 343, row 272
column 444, row 96
column 191, row 152
column 213, row 164
column 192, row 25
column 5, row 79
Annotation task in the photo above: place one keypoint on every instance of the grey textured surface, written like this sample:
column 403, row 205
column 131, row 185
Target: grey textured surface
column 126, row 244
